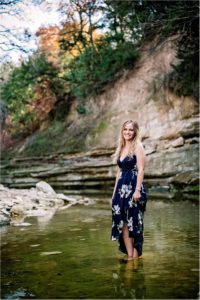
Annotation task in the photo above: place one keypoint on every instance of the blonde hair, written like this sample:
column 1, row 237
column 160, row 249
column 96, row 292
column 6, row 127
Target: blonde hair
column 121, row 140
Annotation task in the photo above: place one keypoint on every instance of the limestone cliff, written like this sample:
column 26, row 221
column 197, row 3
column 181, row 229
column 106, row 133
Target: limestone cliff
column 169, row 124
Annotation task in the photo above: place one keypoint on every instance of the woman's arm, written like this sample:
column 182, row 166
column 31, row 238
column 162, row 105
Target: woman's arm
column 140, row 154
column 116, row 180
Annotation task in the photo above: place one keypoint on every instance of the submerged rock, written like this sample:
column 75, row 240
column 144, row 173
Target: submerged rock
column 23, row 224
column 51, row 253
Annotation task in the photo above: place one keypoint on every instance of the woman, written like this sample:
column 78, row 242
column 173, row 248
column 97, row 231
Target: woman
column 129, row 196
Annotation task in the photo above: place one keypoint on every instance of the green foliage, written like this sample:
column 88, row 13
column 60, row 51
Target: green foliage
column 97, row 66
column 81, row 109
column 19, row 92
column 99, row 128
column 124, row 19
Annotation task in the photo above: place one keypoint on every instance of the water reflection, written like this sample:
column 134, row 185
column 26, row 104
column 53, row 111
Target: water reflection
column 20, row 294
column 130, row 279
column 45, row 219
column 80, row 260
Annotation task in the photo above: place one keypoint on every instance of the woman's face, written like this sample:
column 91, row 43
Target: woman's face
column 128, row 132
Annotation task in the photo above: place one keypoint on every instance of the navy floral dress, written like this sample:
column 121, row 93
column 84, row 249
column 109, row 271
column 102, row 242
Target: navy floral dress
column 124, row 209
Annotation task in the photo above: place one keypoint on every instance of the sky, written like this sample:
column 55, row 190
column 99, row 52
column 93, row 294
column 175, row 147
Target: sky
column 31, row 17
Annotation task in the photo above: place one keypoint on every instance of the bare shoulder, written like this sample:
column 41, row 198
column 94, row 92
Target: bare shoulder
column 139, row 147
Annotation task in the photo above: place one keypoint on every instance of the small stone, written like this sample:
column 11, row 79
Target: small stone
column 67, row 198
column 178, row 142
column 24, row 224
column 6, row 211
column 3, row 188
column 115, row 276
column 50, row 253
column 17, row 210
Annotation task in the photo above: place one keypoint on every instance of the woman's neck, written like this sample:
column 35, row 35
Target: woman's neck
column 127, row 144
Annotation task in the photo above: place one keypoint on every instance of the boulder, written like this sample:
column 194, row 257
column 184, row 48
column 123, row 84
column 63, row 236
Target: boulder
column 45, row 188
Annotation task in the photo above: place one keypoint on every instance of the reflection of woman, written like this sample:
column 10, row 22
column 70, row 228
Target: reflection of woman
column 129, row 196
column 130, row 280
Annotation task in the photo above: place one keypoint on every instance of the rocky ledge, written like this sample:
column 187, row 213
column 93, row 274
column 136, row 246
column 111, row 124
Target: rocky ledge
column 171, row 173
column 41, row 201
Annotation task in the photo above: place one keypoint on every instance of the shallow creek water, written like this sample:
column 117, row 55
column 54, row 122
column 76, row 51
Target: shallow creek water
column 86, row 263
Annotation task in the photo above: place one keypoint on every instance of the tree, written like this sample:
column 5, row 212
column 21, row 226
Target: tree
column 131, row 23
column 81, row 25
column 178, row 17
column 18, row 24
column 11, row 38
column 30, row 94
column 48, row 41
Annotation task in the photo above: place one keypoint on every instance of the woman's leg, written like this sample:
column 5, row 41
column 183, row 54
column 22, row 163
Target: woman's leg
column 128, row 241
column 135, row 253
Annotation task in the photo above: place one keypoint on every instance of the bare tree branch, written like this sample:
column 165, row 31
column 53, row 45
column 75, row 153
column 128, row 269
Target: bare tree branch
column 12, row 38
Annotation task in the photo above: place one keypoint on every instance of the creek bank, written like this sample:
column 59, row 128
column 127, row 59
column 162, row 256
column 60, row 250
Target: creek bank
column 41, row 201
column 170, row 173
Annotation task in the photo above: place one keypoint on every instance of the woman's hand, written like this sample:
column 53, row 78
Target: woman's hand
column 136, row 196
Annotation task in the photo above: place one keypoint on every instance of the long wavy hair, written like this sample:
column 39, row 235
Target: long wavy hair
column 121, row 140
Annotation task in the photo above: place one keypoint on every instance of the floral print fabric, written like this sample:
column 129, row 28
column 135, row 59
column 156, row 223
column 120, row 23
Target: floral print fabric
column 124, row 209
